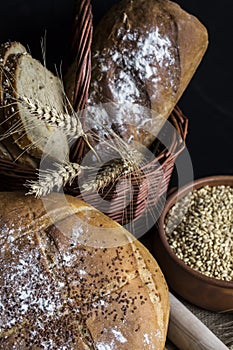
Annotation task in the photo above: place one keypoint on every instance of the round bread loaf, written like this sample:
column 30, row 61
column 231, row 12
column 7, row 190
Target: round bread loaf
column 71, row 278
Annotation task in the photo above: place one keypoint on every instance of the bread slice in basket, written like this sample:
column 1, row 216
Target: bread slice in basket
column 11, row 150
column 28, row 83
column 7, row 49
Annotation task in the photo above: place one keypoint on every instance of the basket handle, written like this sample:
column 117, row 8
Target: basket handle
column 80, row 55
column 80, row 52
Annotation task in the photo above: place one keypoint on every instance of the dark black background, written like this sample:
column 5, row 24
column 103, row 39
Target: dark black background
column 208, row 100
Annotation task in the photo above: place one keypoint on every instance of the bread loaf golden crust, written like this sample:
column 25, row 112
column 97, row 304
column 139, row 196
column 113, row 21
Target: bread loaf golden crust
column 59, row 289
column 144, row 52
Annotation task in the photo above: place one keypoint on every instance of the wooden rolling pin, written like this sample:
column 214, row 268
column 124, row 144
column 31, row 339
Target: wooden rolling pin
column 187, row 332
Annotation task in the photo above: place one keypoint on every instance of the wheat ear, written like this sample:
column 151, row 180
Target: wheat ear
column 129, row 161
column 58, row 177
column 69, row 124
column 110, row 174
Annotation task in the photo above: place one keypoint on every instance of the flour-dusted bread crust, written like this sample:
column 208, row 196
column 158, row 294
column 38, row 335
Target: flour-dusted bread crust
column 144, row 53
column 70, row 276
column 29, row 79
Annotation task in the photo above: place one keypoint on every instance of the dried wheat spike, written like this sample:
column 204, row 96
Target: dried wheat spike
column 110, row 174
column 49, row 179
column 69, row 124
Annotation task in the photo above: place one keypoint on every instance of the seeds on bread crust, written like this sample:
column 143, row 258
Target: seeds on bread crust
column 58, row 290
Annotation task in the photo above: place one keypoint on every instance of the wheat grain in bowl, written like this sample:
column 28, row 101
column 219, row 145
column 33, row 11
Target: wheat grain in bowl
column 203, row 238
column 185, row 278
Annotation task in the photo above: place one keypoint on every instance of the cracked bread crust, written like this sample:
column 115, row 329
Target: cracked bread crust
column 59, row 290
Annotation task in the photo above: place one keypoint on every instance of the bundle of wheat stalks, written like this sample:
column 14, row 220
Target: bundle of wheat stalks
column 39, row 126
column 107, row 125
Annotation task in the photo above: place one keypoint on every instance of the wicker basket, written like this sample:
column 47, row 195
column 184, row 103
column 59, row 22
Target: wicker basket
column 155, row 175
column 144, row 193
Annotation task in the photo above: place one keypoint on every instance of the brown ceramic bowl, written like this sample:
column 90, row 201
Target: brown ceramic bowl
column 206, row 292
